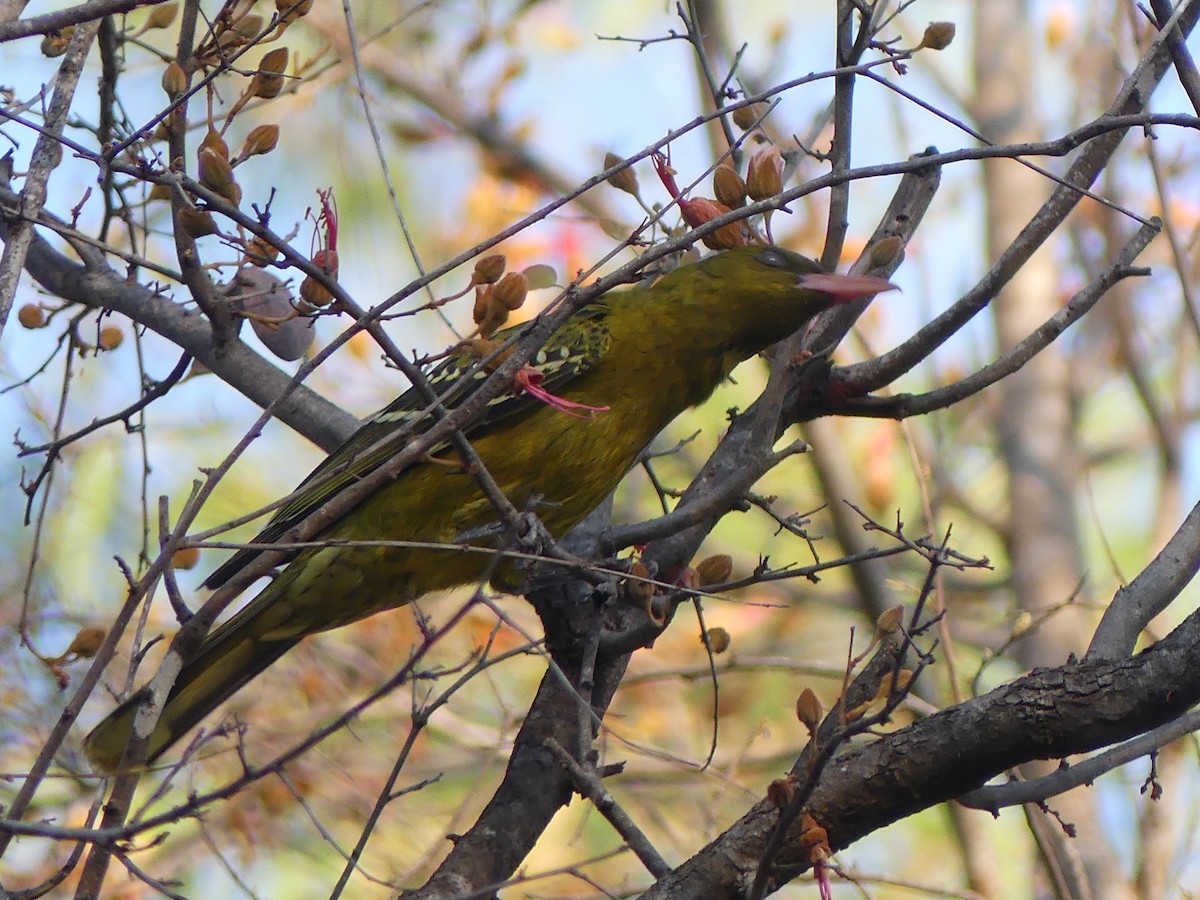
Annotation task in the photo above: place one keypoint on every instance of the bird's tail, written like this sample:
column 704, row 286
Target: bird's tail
column 229, row 658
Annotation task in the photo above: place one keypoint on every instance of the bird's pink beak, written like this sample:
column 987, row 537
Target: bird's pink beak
column 844, row 288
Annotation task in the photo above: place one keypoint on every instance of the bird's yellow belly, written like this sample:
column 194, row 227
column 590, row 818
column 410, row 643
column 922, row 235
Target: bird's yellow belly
column 434, row 503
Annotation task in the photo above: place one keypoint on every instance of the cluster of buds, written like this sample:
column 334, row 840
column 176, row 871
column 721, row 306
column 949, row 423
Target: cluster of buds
column 764, row 179
column 698, row 210
column 497, row 293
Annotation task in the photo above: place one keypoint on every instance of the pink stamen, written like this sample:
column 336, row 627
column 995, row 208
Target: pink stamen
column 529, row 381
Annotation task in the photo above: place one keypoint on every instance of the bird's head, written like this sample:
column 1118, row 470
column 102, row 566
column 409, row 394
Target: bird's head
column 765, row 294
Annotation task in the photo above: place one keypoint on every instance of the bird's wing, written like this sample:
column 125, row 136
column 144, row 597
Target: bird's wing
column 568, row 353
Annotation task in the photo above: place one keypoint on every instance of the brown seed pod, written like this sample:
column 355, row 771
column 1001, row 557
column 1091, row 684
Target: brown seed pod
column 764, row 176
column 718, row 639
column 197, row 222
column 511, row 290
column 745, row 116
column 32, row 316
column 111, row 337
column 489, row 269
column 268, row 81
column 217, row 175
column 161, row 16
column 261, row 140
column 174, row 80
column 714, row 570
column 185, row 558
column 213, row 141
column 625, row 180
column 809, row 710
column 85, row 643
column 938, row 36
column 728, row 186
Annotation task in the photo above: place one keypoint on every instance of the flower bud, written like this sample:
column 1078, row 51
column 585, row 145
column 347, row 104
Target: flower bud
column 699, row 210
column 261, row 253
column 638, row 589
column 312, row 290
column 293, row 8
column 249, row 26
column 889, row 620
column 55, row 43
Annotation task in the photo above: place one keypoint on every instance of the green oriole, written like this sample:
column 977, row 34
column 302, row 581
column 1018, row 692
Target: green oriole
column 642, row 355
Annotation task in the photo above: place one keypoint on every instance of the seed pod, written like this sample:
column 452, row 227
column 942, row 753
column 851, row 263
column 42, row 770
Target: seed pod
column 626, row 179
column 174, row 80
column 32, row 316
column 489, row 269
column 161, row 16
column 268, row 81
column 714, row 570
column 744, row 117
column 261, row 253
column 217, row 175
column 718, row 639
column 85, row 643
column 111, row 337
column 889, row 620
column 781, row 791
column 197, row 222
column 249, row 26
column 262, row 139
column 938, row 36
column 764, row 176
column 809, row 710
column 213, row 141
column 728, row 186
column 511, row 290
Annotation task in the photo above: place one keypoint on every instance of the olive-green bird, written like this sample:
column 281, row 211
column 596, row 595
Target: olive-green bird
column 639, row 356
